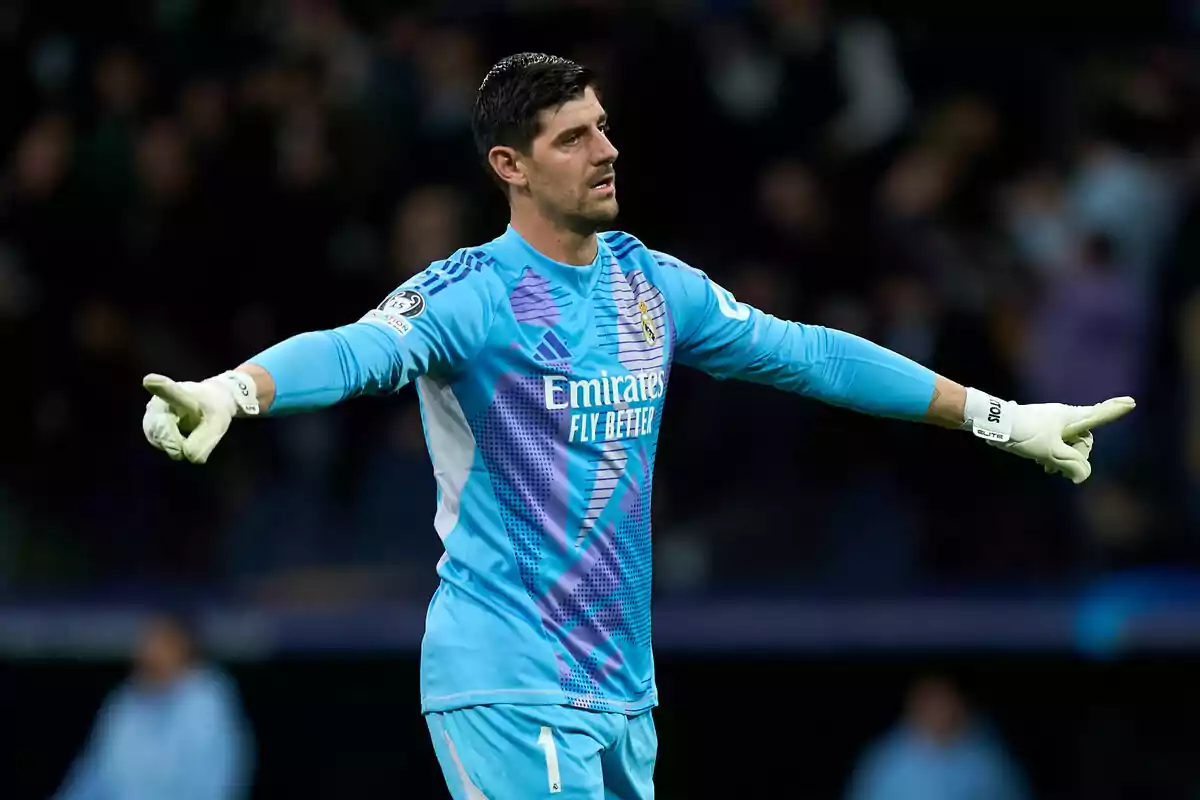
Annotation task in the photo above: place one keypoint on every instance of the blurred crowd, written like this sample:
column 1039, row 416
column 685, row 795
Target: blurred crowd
column 175, row 726
column 185, row 183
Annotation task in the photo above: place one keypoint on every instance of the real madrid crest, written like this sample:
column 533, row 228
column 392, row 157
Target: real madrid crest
column 648, row 330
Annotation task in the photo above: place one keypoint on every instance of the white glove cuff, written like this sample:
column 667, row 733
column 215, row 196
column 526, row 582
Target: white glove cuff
column 988, row 417
column 241, row 388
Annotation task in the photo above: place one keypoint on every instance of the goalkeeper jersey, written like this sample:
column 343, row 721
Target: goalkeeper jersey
column 542, row 388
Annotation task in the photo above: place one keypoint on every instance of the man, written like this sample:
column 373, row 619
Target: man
column 174, row 730
column 939, row 751
column 541, row 360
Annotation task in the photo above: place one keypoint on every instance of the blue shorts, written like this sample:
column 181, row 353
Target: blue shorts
column 511, row 752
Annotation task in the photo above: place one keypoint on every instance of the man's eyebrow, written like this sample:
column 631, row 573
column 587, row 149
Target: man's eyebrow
column 603, row 118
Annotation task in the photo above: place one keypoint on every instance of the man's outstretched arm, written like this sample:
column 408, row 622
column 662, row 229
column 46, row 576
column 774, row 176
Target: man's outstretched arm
column 728, row 339
column 411, row 333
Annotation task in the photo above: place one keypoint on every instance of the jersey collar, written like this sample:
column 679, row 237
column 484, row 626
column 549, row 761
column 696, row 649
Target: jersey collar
column 583, row 276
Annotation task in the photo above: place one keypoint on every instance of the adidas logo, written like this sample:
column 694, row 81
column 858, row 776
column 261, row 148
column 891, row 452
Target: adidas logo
column 551, row 349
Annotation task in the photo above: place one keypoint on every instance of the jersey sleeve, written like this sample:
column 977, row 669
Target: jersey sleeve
column 727, row 339
column 432, row 324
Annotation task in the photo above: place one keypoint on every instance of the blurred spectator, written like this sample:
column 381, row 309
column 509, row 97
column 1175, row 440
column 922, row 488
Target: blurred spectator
column 1038, row 222
column 429, row 225
column 1125, row 195
column 940, row 751
column 743, row 75
column 878, row 99
column 43, row 157
column 1088, row 332
column 174, row 729
column 36, row 203
column 203, row 111
column 120, row 83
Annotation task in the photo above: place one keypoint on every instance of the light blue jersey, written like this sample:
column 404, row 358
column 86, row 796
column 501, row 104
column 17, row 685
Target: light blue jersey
column 542, row 388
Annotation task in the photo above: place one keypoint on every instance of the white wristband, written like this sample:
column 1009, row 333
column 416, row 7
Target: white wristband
column 987, row 416
column 242, row 389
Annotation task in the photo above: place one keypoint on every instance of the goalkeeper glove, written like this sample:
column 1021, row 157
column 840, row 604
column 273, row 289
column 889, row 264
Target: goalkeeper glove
column 186, row 420
column 1057, row 436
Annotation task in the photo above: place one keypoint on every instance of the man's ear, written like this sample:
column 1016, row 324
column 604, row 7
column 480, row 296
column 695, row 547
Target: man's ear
column 508, row 164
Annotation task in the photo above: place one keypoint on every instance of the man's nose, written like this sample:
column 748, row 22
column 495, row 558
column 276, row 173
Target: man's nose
column 607, row 153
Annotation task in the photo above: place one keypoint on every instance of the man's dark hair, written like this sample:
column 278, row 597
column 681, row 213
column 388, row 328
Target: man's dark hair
column 512, row 95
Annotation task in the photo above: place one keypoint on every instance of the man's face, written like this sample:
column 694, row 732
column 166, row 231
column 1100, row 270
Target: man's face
column 570, row 165
column 937, row 710
column 162, row 653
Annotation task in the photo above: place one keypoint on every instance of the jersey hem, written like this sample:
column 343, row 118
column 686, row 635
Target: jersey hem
column 534, row 697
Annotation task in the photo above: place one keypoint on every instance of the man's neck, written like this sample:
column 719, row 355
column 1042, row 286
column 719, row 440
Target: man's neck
column 553, row 241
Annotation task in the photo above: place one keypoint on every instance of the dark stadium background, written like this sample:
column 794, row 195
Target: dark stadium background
column 1007, row 194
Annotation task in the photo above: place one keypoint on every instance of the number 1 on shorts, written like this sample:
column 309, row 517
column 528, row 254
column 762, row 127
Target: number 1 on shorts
column 546, row 740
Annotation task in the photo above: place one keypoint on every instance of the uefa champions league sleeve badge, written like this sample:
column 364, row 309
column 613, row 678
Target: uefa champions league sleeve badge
column 405, row 302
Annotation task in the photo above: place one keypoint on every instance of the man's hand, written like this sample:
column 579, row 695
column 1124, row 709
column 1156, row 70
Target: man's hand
column 1057, row 436
column 187, row 420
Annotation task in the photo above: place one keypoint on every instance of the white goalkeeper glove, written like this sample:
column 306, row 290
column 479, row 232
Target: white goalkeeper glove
column 1057, row 436
column 186, row 420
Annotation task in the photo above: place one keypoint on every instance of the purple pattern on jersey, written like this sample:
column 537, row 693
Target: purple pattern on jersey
column 525, row 447
column 573, row 608
column 634, row 332
column 585, row 610
column 605, row 594
column 606, row 470
column 533, row 301
column 642, row 311
column 634, row 542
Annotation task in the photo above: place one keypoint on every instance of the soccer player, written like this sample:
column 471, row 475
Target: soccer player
column 542, row 360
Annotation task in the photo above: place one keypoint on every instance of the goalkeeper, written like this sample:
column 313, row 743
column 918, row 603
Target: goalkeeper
column 541, row 360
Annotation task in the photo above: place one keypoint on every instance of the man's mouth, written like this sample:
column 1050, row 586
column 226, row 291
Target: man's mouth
column 605, row 184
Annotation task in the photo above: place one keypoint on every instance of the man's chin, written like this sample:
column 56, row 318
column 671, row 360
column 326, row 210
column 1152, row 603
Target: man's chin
column 604, row 213
column 594, row 219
